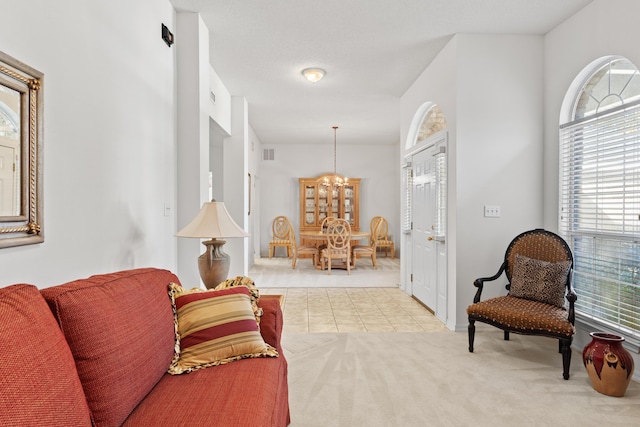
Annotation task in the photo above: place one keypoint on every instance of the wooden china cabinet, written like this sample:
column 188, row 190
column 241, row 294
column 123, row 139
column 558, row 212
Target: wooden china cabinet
column 318, row 201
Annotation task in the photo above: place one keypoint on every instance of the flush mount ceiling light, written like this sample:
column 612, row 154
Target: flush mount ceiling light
column 313, row 74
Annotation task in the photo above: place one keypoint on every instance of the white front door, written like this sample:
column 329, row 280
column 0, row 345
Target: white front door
column 423, row 249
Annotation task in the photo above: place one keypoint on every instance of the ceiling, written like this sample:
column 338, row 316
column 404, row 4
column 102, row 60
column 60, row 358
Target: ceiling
column 372, row 51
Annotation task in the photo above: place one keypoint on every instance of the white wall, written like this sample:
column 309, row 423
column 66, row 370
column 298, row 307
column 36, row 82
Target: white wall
column 600, row 29
column 220, row 100
column 499, row 153
column 490, row 90
column 109, row 136
column 376, row 165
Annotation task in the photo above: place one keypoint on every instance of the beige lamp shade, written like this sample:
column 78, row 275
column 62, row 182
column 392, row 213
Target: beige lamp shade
column 213, row 221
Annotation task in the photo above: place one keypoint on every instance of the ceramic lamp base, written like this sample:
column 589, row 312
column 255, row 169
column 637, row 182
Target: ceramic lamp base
column 213, row 263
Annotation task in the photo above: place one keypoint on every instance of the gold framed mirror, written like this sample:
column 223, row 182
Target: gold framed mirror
column 21, row 107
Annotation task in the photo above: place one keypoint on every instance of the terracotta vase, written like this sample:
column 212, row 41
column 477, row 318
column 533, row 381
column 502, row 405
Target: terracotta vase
column 609, row 365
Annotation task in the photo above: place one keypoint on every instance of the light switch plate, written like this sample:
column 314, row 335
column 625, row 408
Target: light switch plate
column 491, row 211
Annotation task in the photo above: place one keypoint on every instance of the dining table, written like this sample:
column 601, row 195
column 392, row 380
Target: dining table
column 318, row 237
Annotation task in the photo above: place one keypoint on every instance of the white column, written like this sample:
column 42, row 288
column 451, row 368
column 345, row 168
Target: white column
column 236, row 196
column 192, row 50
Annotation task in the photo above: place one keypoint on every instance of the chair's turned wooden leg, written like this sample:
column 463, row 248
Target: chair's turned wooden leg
column 566, row 357
column 506, row 335
column 472, row 334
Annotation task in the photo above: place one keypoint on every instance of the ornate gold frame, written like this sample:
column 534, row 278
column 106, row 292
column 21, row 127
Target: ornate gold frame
column 27, row 227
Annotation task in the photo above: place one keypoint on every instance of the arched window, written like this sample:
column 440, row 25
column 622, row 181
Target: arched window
column 433, row 122
column 427, row 121
column 600, row 193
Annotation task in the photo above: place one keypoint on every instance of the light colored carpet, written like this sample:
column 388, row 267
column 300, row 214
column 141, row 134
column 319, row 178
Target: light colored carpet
column 431, row 379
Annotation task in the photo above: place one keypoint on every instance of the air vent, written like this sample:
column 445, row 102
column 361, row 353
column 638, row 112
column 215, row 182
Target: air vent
column 268, row 154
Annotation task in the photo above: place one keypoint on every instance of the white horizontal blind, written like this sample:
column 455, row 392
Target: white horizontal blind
column 600, row 214
column 440, row 228
column 408, row 189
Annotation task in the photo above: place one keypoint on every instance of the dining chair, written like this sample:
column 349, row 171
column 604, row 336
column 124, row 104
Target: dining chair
column 301, row 250
column 325, row 222
column 338, row 244
column 373, row 224
column 367, row 250
column 382, row 237
column 281, row 235
column 323, row 229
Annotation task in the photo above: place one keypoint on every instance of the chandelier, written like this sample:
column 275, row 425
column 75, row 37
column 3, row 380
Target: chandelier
column 335, row 181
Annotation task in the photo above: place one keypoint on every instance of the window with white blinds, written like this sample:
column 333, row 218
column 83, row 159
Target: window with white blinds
column 600, row 205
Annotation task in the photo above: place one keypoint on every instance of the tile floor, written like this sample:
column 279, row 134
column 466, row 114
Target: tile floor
column 353, row 310
column 367, row 300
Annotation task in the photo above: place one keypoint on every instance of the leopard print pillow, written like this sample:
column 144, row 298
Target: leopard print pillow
column 540, row 281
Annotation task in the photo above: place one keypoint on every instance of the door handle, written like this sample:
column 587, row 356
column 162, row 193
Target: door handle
column 430, row 238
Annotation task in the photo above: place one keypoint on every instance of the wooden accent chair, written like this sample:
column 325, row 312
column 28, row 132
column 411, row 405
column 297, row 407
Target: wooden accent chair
column 382, row 237
column 281, row 235
column 301, row 250
column 367, row 250
column 373, row 225
column 538, row 266
column 338, row 244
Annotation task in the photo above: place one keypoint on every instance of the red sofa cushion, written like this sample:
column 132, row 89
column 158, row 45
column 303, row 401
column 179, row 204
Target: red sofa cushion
column 38, row 378
column 245, row 393
column 120, row 330
column 250, row 392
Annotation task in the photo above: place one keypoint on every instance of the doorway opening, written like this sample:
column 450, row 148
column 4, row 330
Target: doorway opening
column 425, row 209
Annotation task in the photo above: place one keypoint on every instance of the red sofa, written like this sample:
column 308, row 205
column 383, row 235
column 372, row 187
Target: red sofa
column 95, row 352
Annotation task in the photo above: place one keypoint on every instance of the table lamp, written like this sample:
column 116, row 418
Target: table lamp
column 214, row 222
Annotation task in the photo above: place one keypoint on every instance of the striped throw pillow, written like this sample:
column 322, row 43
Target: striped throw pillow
column 213, row 328
column 254, row 294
